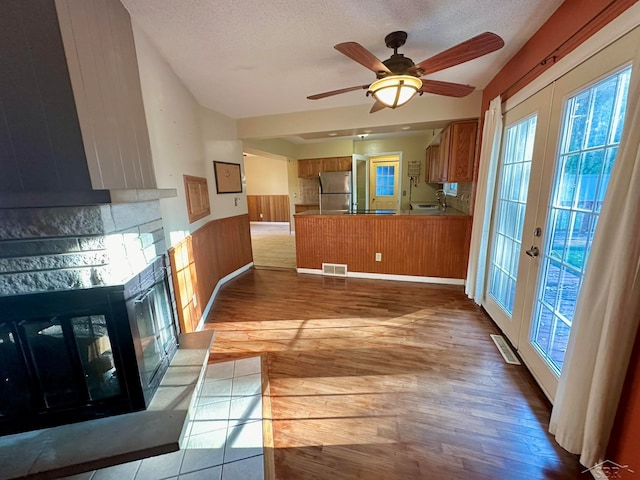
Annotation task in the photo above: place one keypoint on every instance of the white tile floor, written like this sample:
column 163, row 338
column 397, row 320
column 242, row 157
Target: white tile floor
column 223, row 438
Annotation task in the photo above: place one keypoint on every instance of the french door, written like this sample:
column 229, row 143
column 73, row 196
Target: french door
column 537, row 263
column 523, row 141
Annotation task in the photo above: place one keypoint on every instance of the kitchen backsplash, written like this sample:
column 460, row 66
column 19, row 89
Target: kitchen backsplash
column 463, row 201
column 309, row 189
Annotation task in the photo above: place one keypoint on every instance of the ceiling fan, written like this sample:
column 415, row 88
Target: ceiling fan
column 398, row 78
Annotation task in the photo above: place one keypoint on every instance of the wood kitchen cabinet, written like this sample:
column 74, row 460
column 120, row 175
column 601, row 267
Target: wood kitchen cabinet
column 311, row 167
column 336, row 164
column 432, row 162
column 455, row 159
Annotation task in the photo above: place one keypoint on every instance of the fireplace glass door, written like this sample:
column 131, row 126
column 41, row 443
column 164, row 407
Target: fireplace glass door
column 94, row 348
column 15, row 396
column 156, row 331
column 72, row 360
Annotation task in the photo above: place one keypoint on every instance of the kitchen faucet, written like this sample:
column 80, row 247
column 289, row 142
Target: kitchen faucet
column 442, row 198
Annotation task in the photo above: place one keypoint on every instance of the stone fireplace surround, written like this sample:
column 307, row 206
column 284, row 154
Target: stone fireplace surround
column 62, row 248
column 79, row 247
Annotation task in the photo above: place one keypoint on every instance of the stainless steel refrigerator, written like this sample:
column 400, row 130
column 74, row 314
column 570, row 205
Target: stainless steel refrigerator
column 335, row 191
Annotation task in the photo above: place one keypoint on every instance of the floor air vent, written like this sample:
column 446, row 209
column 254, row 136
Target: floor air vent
column 505, row 350
column 334, row 269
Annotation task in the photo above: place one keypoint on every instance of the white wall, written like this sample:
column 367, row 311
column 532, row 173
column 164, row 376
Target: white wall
column 337, row 148
column 266, row 176
column 424, row 109
column 185, row 139
column 221, row 144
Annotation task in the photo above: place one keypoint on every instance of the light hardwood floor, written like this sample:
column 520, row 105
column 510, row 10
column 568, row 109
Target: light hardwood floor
column 272, row 245
column 386, row 380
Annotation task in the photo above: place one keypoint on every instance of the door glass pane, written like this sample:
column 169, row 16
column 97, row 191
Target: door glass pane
column 385, row 180
column 55, row 371
column 15, row 397
column 96, row 357
column 513, row 185
column 590, row 135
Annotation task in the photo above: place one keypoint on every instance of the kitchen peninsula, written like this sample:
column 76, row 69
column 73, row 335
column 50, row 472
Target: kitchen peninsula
column 421, row 245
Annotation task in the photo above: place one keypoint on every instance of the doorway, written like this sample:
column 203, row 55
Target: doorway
column 268, row 180
column 360, row 192
column 558, row 150
column 384, row 182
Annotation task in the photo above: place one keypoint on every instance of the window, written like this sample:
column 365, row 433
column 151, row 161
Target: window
column 385, row 180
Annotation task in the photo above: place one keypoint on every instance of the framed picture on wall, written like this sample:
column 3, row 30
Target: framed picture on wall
column 228, row 177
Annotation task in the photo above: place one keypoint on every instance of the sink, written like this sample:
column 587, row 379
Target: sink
column 424, row 206
column 371, row 212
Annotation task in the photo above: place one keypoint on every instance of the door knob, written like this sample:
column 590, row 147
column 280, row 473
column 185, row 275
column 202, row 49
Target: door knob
column 533, row 252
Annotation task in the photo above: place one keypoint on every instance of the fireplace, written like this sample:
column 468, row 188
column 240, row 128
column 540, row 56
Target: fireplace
column 74, row 355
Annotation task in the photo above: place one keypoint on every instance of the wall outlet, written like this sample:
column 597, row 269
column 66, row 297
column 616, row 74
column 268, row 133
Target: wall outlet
column 261, row 216
column 378, row 257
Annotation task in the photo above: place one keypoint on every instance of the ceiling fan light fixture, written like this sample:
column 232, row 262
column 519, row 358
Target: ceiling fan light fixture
column 395, row 90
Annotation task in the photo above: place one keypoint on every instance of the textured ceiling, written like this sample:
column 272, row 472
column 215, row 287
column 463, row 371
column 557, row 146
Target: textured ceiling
column 247, row 58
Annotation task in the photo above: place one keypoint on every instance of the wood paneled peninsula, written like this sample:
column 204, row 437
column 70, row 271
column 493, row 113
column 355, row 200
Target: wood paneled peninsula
column 433, row 244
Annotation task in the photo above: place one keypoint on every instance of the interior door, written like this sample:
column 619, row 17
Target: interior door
column 360, row 177
column 585, row 125
column 384, row 180
column 522, row 146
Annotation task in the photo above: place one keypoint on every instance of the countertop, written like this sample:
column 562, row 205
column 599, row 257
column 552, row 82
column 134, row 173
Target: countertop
column 448, row 212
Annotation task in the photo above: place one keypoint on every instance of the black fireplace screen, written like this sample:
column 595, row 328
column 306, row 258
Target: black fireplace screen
column 80, row 354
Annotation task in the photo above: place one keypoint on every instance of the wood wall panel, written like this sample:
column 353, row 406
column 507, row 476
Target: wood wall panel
column 274, row 208
column 624, row 447
column 431, row 246
column 103, row 67
column 198, row 262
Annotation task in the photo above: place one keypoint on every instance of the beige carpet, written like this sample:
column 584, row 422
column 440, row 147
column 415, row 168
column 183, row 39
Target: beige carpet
column 273, row 245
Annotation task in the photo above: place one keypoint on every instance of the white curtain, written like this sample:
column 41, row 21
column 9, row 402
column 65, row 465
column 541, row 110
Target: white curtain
column 489, row 156
column 608, row 310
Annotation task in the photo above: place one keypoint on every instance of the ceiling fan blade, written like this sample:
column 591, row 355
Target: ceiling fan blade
column 446, row 88
column 337, row 92
column 376, row 107
column 475, row 47
column 364, row 57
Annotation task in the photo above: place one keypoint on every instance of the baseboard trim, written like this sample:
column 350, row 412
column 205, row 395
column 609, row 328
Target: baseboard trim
column 220, row 283
column 389, row 276
column 269, row 223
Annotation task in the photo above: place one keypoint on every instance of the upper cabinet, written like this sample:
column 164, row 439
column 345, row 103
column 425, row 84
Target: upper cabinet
column 311, row 167
column 432, row 172
column 337, row 164
column 456, row 153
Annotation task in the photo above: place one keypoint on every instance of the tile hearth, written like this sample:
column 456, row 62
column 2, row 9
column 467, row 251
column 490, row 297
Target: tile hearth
column 223, row 438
